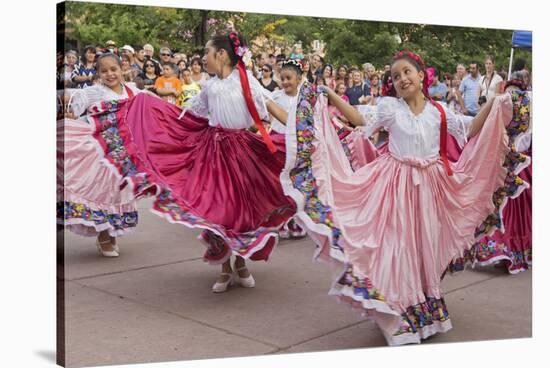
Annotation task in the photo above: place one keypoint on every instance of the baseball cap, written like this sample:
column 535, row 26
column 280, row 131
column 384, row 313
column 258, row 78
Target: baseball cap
column 129, row 48
column 110, row 43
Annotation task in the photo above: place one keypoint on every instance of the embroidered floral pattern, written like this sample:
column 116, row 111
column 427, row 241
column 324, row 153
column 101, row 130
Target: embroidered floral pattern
column 490, row 252
column 521, row 113
column 119, row 221
column 217, row 249
column 519, row 124
column 109, row 117
column 302, row 174
column 241, row 243
column 413, row 319
column 361, row 285
column 422, row 315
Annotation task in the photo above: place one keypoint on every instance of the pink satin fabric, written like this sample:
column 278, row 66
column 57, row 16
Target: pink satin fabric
column 85, row 179
column 404, row 219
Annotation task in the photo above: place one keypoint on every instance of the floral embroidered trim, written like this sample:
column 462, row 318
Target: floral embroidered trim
column 112, row 134
column 413, row 319
column 119, row 221
column 491, row 252
column 362, row 286
column 302, row 174
column 513, row 182
column 422, row 315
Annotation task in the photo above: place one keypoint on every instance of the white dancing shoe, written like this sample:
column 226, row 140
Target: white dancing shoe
column 247, row 282
column 106, row 253
column 220, row 287
column 284, row 233
column 115, row 246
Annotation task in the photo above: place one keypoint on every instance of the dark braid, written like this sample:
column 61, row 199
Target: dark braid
column 226, row 43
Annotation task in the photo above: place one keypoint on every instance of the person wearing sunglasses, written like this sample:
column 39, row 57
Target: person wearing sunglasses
column 149, row 74
column 266, row 79
column 165, row 55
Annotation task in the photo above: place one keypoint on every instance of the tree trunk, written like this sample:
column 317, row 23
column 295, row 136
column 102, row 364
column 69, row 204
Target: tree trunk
column 203, row 27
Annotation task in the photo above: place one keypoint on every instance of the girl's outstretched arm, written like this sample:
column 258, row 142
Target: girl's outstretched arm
column 277, row 111
column 349, row 111
column 479, row 120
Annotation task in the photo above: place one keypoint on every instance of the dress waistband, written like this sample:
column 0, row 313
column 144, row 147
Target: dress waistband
column 420, row 163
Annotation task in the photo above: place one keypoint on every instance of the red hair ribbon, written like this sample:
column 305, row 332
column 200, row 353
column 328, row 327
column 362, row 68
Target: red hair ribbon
column 252, row 107
column 248, row 95
column 443, row 138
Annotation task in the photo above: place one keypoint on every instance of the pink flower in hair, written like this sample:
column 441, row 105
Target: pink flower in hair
column 430, row 72
column 241, row 50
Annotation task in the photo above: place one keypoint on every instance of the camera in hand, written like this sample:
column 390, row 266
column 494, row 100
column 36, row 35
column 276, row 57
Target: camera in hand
column 482, row 100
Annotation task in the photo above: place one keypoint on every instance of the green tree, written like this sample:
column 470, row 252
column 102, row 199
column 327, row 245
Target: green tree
column 347, row 41
column 91, row 23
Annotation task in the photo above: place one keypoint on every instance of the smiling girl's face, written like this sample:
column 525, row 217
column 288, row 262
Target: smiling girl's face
column 290, row 81
column 110, row 72
column 406, row 78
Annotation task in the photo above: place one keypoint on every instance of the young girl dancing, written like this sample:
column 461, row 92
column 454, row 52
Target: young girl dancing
column 291, row 78
column 206, row 169
column 90, row 201
column 397, row 222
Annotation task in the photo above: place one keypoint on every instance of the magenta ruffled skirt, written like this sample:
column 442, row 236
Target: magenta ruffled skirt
column 221, row 180
column 511, row 244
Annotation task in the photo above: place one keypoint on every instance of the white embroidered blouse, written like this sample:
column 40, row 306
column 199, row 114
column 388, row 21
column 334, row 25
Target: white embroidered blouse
column 222, row 101
column 413, row 135
column 81, row 99
column 285, row 102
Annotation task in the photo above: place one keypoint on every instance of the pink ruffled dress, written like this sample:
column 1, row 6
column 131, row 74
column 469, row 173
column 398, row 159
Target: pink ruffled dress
column 396, row 223
column 89, row 197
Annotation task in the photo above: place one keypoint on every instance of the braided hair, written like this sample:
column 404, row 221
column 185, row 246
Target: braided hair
column 229, row 43
column 235, row 46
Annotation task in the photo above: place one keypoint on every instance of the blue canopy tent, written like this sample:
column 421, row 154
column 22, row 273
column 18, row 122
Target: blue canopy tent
column 521, row 40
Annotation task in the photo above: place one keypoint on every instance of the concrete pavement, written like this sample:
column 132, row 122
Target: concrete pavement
column 154, row 303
